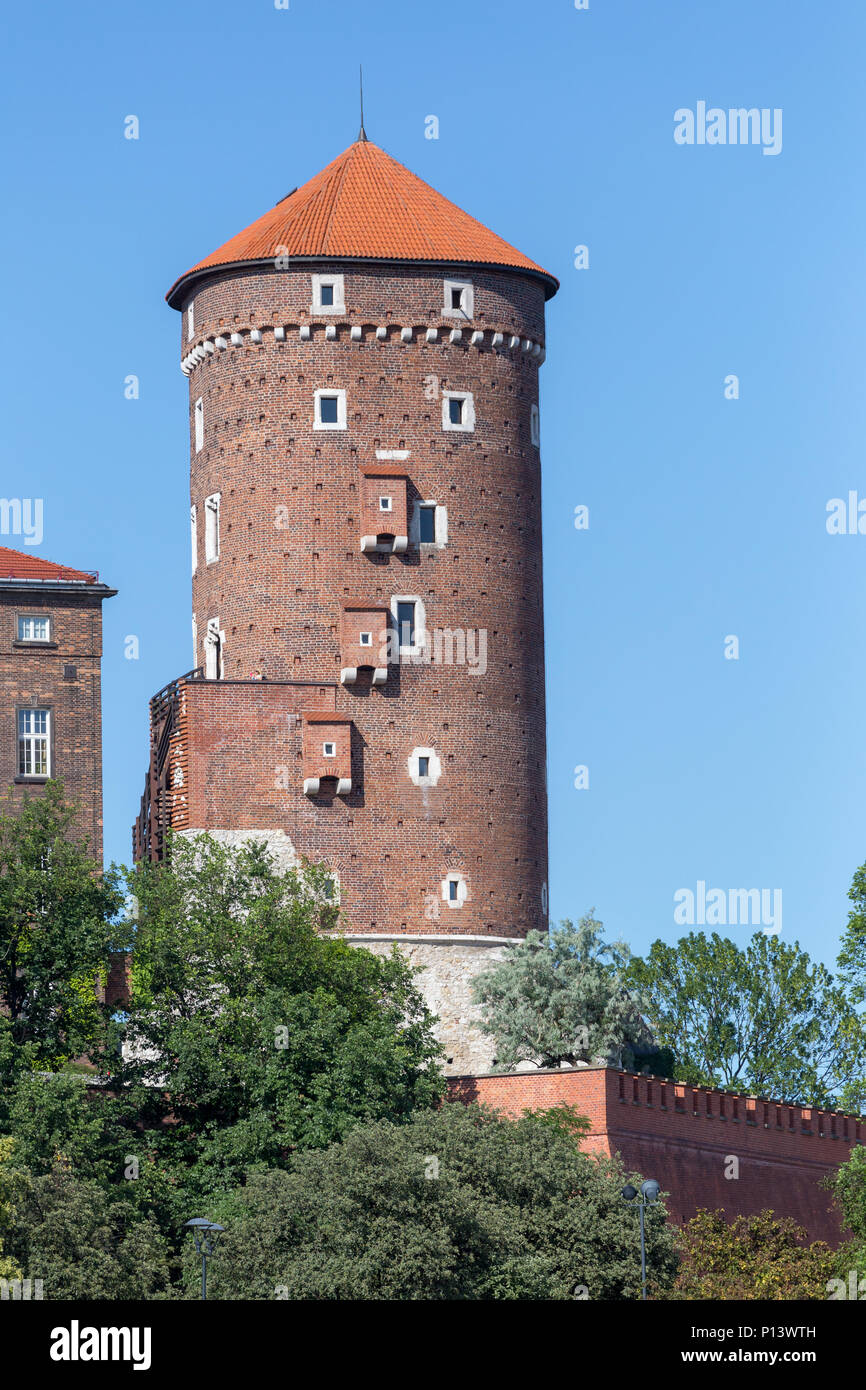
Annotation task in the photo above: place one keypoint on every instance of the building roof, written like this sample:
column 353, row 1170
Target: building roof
column 17, row 564
column 365, row 205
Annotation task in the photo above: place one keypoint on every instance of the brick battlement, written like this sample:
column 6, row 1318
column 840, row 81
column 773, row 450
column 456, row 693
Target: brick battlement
column 685, row 1136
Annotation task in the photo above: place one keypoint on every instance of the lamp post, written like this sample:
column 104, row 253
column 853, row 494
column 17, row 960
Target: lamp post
column 648, row 1195
column 206, row 1234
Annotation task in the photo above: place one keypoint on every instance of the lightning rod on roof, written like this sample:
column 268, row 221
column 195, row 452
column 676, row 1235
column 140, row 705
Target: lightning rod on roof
column 362, row 134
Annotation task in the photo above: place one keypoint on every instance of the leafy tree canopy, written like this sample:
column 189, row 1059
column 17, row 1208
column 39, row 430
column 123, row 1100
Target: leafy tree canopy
column 562, row 998
column 251, row 1027
column 456, row 1204
column 57, row 930
column 763, row 1016
column 751, row 1257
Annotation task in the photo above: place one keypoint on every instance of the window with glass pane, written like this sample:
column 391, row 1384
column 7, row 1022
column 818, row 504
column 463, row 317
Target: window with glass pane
column 455, row 411
column 33, row 629
column 428, row 525
column 327, row 294
column 33, row 750
column 406, row 624
column 328, row 410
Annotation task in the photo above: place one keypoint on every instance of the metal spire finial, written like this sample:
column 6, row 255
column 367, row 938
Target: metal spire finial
column 362, row 134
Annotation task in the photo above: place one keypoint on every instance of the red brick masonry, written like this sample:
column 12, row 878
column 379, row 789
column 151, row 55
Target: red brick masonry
column 686, row 1137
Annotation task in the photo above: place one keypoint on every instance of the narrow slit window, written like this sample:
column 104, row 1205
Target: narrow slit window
column 406, row 624
column 423, row 767
column 427, row 520
column 199, row 425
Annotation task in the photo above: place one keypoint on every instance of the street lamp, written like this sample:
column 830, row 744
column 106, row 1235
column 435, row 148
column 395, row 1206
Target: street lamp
column 206, row 1234
column 648, row 1195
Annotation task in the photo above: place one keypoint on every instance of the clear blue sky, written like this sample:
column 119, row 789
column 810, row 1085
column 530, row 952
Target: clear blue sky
column 707, row 516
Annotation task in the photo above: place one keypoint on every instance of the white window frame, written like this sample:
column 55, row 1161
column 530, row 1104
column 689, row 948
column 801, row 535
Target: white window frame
column 193, row 536
column 190, row 320
column 467, row 299
column 38, row 743
column 467, row 424
column 417, row 647
column 462, row 890
column 212, row 528
column 434, row 771
column 214, row 651
column 390, row 502
column 340, row 422
column 32, row 619
column 369, row 637
column 534, row 426
column 339, row 304
column 440, row 525
column 198, row 424
column 329, row 743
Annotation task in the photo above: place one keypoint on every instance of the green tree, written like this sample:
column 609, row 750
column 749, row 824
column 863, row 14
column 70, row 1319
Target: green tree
column 56, row 935
column 852, row 953
column 458, row 1203
column 67, row 1232
column 254, row 1030
column 763, row 1016
column 751, row 1257
column 562, row 998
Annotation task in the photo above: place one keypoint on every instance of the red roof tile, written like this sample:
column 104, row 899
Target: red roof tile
column 365, row 204
column 16, row 564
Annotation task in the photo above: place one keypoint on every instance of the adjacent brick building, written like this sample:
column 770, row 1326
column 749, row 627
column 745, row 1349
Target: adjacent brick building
column 50, row 685
column 368, row 673
column 687, row 1136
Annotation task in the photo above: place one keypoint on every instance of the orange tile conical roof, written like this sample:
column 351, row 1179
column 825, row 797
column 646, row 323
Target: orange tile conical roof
column 365, row 205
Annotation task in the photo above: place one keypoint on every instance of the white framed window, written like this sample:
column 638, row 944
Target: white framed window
column 33, row 629
column 329, row 295
column 365, row 639
column 454, row 890
column 193, row 537
column 214, row 650
column 329, row 750
column 386, row 504
column 407, row 613
column 329, row 410
column 425, row 767
column 459, row 300
column 190, row 320
column 429, row 525
column 34, row 743
column 199, row 425
column 212, row 528
column 458, row 411
column 534, row 426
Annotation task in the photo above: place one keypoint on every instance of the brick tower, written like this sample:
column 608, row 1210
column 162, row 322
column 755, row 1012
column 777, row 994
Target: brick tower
column 368, row 682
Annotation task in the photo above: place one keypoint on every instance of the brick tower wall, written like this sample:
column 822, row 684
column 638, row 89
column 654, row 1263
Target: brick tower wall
column 293, row 506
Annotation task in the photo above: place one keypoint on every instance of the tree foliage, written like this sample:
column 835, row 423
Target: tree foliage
column 252, row 1029
column 751, row 1257
column 57, row 931
column 763, row 1016
column 457, row 1204
column 561, row 998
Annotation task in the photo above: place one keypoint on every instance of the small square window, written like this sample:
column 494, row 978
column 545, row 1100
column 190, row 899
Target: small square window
column 329, row 750
column 366, row 639
column 385, row 504
column 423, row 767
column 455, row 410
column 326, row 294
column 328, row 410
column 427, row 524
column 329, row 294
column 458, row 299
